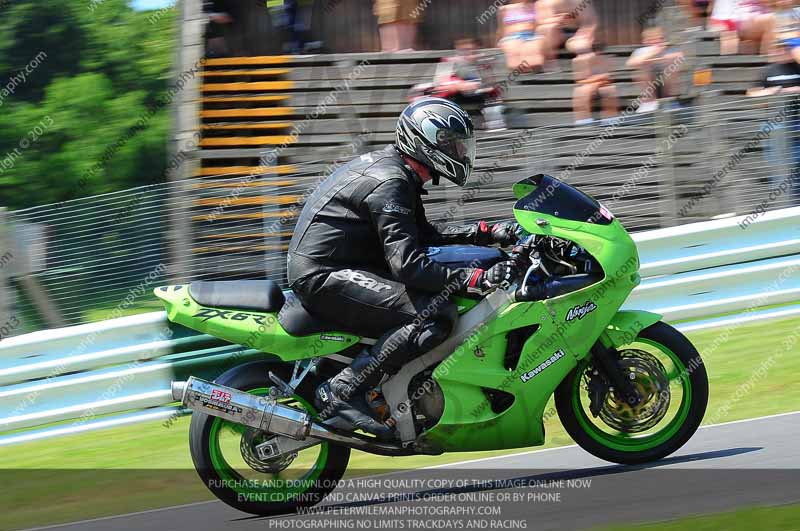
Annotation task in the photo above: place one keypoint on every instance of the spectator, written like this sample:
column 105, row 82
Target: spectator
column 518, row 39
column 293, row 17
column 697, row 11
column 742, row 20
column 397, row 24
column 218, row 18
column 591, row 70
column 572, row 23
column 652, row 62
column 466, row 79
column 786, row 27
column 783, row 147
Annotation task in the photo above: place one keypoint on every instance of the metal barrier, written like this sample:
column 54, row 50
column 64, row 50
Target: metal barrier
column 118, row 372
column 97, row 258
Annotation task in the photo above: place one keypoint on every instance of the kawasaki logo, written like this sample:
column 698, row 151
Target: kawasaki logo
column 580, row 311
column 536, row 371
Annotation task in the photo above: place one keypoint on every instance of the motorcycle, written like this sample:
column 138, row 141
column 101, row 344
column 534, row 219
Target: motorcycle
column 628, row 387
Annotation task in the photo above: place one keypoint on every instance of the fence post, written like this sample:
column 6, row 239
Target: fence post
column 718, row 148
column 781, row 147
column 185, row 140
column 6, row 259
column 666, row 160
column 274, row 257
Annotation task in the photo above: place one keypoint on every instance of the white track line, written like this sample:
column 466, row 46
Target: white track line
column 529, row 452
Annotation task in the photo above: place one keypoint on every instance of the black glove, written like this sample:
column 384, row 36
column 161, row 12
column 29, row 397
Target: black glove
column 481, row 282
column 504, row 234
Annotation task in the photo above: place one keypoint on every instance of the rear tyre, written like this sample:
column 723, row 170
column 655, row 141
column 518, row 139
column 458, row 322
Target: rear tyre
column 220, row 453
column 666, row 368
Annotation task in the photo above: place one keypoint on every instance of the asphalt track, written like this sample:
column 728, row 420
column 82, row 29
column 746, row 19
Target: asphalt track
column 723, row 467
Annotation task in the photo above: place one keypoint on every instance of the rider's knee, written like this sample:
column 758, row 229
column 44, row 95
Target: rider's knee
column 438, row 328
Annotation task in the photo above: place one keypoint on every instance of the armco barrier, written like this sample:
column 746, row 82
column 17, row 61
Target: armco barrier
column 118, row 372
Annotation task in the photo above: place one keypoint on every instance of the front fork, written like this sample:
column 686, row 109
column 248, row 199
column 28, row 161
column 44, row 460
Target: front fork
column 608, row 375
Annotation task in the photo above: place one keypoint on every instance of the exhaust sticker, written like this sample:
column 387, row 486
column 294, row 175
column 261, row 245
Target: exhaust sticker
column 536, row 371
column 215, row 404
column 221, row 396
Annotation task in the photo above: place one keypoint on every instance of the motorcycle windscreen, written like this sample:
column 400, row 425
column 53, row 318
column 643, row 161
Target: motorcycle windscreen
column 547, row 195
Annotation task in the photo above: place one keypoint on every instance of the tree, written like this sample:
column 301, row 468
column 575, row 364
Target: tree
column 100, row 70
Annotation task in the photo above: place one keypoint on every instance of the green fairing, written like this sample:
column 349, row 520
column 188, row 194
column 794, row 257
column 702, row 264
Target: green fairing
column 256, row 330
column 626, row 325
column 477, row 366
column 468, row 422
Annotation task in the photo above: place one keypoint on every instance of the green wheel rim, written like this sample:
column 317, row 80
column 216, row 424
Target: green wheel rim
column 625, row 443
column 268, row 490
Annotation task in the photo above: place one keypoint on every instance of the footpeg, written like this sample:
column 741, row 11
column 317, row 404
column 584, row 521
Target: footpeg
column 355, row 411
column 285, row 388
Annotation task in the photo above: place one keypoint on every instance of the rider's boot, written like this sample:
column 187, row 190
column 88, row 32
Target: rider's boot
column 344, row 395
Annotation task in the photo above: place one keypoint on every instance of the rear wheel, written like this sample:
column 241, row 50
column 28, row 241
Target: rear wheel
column 224, row 455
column 668, row 373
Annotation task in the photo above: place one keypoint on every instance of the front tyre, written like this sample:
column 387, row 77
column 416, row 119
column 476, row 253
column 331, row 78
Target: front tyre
column 667, row 371
column 225, row 460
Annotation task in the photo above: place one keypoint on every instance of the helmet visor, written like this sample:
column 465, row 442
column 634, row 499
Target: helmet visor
column 462, row 150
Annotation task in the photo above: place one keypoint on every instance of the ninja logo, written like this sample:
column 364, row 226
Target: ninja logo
column 391, row 207
column 348, row 275
column 580, row 311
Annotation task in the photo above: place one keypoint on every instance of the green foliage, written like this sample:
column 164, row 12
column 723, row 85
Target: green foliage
column 66, row 130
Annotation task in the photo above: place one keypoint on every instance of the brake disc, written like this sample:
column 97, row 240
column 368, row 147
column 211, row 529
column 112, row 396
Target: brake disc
column 649, row 377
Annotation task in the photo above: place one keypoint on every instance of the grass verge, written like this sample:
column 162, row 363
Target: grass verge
column 780, row 518
column 752, row 371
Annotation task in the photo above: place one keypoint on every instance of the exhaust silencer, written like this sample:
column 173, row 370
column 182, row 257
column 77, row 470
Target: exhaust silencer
column 258, row 412
column 266, row 414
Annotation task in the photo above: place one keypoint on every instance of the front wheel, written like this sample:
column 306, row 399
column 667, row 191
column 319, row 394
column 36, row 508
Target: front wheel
column 668, row 373
column 224, row 455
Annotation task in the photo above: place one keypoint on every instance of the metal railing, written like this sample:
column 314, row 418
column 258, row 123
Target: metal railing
column 97, row 258
column 118, row 372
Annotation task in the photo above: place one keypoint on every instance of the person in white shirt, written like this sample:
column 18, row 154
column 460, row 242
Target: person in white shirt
column 655, row 72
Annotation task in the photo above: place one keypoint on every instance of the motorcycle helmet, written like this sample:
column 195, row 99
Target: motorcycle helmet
column 439, row 134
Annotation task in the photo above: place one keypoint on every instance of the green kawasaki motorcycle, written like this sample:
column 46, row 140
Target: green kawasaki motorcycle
column 628, row 388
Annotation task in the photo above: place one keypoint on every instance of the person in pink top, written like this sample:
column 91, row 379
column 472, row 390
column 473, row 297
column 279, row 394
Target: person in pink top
column 742, row 20
column 568, row 23
column 518, row 38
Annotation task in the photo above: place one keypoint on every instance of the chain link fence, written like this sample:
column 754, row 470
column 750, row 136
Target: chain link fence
column 100, row 257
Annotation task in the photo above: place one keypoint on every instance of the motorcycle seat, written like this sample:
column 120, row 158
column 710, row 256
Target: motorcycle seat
column 254, row 295
column 298, row 321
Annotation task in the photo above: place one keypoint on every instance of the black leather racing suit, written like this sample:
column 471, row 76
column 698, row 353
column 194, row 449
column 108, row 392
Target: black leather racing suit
column 357, row 257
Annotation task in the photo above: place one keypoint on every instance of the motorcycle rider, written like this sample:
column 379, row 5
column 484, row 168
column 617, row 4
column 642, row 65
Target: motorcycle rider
column 357, row 256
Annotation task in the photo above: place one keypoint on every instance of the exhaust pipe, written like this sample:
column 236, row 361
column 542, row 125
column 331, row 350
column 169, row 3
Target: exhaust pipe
column 258, row 412
column 265, row 413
